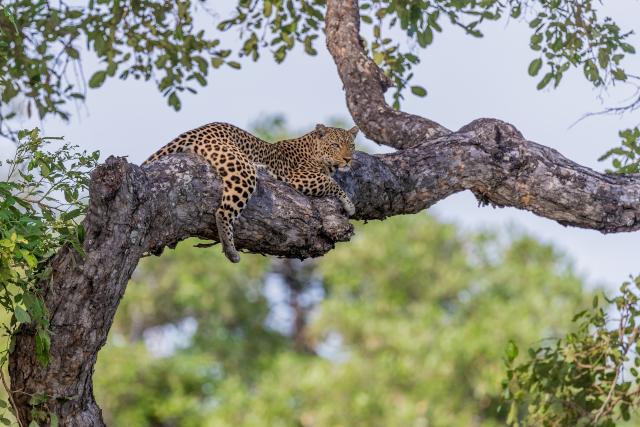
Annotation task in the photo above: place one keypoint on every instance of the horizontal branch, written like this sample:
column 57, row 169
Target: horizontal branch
column 277, row 220
column 491, row 159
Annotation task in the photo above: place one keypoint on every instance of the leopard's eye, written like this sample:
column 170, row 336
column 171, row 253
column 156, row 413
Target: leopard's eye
column 336, row 146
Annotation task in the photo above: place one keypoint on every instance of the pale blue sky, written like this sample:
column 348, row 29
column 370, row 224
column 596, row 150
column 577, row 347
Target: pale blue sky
column 467, row 78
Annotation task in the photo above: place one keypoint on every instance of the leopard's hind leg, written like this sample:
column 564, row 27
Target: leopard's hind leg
column 238, row 175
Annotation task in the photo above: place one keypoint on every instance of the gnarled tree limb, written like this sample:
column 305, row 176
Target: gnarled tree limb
column 365, row 84
column 506, row 171
column 133, row 211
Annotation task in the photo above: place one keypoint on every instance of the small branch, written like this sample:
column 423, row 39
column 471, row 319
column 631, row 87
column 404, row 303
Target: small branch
column 629, row 107
column 9, row 392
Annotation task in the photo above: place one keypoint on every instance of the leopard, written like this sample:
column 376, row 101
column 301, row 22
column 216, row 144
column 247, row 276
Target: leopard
column 306, row 163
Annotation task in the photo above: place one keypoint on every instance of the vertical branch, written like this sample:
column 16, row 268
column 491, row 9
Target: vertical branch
column 365, row 84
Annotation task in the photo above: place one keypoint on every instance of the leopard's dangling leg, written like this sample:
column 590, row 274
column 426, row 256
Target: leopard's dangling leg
column 239, row 182
column 225, row 233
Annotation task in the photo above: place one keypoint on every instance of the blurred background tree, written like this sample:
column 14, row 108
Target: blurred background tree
column 350, row 339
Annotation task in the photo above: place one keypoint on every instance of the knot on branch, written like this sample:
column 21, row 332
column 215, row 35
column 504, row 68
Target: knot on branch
column 492, row 130
column 107, row 178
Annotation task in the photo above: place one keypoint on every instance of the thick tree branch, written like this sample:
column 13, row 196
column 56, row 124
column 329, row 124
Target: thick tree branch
column 490, row 158
column 506, row 171
column 365, row 84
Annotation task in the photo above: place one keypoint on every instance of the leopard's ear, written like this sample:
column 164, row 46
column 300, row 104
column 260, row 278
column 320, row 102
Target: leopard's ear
column 354, row 131
column 321, row 129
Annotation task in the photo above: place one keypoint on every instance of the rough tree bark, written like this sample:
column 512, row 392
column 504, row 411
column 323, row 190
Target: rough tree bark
column 134, row 211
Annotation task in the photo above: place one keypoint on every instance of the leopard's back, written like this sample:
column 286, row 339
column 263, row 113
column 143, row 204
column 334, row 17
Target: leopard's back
column 215, row 137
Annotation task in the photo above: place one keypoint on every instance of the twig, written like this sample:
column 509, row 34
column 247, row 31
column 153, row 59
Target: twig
column 10, row 394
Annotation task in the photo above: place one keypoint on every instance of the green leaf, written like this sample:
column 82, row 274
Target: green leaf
column 112, row 68
column 619, row 74
column 308, row 47
column 97, row 79
column 626, row 47
column 43, row 344
column 67, row 216
column 511, row 351
column 425, row 38
column 30, row 259
column 591, row 71
column 72, row 52
column 38, row 399
column 545, row 81
column 75, row 14
column 174, row 101
column 534, row 67
column 234, row 64
column 55, row 422
column 33, row 304
column 419, row 91
column 603, row 58
column 21, row 315
column 267, row 8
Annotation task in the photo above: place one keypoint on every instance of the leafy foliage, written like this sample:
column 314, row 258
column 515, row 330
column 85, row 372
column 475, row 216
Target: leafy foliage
column 626, row 157
column 420, row 20
column 278, row 25
column 41, row 202
column 41, row 54
column 571, row 34
column 587, row 378
column 567, row 34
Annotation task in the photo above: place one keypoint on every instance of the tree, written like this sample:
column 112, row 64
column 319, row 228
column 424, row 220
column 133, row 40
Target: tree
column 131, row 213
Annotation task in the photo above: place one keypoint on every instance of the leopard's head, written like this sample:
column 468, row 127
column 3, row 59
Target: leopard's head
column 336, row 146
